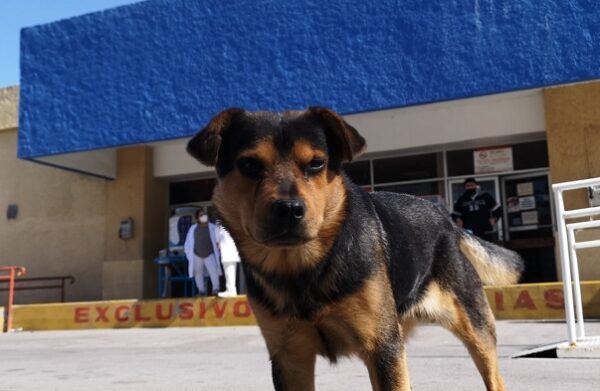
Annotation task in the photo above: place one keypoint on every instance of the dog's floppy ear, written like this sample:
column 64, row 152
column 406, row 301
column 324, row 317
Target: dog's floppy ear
column 205, row 145
column 351, row 142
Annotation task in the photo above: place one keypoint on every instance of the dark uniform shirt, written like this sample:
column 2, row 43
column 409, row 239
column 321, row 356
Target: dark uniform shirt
column 476, row 211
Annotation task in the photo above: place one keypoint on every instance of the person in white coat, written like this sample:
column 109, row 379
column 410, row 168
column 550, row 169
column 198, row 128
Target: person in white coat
column 203, row 253
column 229, row 259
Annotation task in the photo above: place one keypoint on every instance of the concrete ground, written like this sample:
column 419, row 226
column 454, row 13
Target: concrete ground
column 234, row 358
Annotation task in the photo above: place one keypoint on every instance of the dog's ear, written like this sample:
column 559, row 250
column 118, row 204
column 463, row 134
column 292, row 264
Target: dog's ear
column 351, row 143
column 205, row 145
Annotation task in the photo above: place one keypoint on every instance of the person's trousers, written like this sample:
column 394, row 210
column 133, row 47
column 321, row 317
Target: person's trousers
column 230, row 269
column 212, row 266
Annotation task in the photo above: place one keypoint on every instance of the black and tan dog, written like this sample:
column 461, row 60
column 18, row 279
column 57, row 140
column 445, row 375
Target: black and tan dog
column 333, row 270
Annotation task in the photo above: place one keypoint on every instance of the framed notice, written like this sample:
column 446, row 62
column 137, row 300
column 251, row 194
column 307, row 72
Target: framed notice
column 526, row 203
column 530, row 217
column 493, row 160
column 524, row 189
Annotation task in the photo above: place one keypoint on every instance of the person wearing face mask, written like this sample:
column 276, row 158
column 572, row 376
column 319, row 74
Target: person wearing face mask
column 202, row 252
column 476, row 211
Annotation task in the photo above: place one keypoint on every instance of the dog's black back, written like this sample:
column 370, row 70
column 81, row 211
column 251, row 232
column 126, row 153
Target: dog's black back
column 423, row 245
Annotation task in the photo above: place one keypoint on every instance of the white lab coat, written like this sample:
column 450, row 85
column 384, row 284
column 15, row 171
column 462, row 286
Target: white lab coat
column 229, row 252
column 189, row 246
column 230, row 259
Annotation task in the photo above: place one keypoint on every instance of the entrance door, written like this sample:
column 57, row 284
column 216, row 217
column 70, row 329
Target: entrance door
column 528, row 222
column 487, row 185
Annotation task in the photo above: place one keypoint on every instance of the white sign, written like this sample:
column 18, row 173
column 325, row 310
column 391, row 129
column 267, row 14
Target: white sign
column 530, row 217
column 493, row 160
column 526, row 203
column 524, row 189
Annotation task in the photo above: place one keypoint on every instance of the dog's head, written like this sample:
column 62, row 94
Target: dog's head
column 278, row 173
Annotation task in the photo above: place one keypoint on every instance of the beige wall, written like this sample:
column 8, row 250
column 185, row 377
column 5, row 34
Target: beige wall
column 59, row 229
column 573, row 129
column 476, row 122
column 9, row 114
column 68, row 223
column 128, row 269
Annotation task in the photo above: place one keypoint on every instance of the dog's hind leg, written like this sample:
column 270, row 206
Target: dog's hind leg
column 480, row 340
column 469, row 317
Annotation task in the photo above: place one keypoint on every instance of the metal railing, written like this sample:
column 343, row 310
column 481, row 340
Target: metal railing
column 11, row 273
column 568, row 253
column 57, row 282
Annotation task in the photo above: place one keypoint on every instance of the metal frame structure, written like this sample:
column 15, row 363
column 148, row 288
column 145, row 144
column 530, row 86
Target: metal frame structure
column 36, row 283
column 13, row 272
column 568, row 255
column 578, row 345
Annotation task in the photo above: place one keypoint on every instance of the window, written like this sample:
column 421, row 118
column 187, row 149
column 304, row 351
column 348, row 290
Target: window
column 460, row 162
column 408, row 168
column 359, row 172
column 433, row 188
column 191, row 191
column 530, row 155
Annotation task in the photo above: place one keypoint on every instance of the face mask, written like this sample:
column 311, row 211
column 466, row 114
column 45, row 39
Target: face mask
column 471, row 192
column 203, row 219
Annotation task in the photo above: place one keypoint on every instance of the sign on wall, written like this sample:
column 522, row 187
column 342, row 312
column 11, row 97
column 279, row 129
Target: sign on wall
column 525, row 301
column 493, row 160
column 183, row 312
column 539, row 301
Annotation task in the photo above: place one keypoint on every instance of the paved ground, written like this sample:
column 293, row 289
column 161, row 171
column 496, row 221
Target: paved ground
column 234, row 358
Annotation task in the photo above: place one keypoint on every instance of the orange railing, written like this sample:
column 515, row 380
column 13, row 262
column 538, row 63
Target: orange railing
column 12, row 273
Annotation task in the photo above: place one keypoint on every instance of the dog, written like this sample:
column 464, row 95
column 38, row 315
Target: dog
column 333, row 270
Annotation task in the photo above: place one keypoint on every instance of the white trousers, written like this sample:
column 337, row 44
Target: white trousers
column 212, row 266
column 230, row 275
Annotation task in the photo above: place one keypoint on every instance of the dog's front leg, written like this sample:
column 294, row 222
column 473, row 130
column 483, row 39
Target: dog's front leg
column 293, row 371
column 292, row 346
column 387, row 366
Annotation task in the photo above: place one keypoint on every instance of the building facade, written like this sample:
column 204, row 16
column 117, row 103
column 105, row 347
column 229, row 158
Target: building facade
column 502, row 92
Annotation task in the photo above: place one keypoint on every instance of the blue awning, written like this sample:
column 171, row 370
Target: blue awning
column 158, row 70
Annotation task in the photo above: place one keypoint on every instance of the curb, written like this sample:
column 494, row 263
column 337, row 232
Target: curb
column 524, row 301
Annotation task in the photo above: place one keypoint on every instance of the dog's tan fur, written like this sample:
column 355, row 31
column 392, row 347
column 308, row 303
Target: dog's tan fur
column 331, row 291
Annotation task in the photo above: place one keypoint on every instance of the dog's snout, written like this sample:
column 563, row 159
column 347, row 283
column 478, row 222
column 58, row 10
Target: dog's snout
column 286, row 222
column 298, row 210
column 289, row 211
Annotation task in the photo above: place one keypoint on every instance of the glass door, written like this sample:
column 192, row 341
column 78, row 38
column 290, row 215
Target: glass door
column 488, row 184
column 527, row 206
column 528, row 222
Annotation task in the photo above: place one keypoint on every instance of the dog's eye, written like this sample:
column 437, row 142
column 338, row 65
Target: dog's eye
column 250, row 167
column 315, row 165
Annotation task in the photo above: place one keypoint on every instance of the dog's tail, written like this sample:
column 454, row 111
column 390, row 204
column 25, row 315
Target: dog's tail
column 495, row 265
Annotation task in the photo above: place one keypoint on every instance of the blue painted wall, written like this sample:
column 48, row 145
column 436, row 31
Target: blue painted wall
column 160, row 69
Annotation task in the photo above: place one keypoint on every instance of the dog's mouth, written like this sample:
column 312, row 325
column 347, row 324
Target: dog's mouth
column 288, row 238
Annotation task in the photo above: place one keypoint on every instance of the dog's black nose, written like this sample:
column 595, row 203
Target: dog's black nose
column 288, row 212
